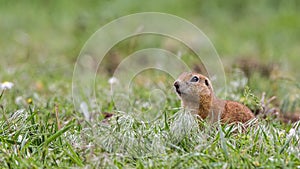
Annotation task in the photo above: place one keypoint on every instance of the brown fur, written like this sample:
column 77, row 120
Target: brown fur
column 199, row 98
column 235, row 111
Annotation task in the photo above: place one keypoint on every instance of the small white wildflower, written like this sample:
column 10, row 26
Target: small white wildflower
column 19, row 100
column 146, row 105
column 113, row 80
column 6, row 85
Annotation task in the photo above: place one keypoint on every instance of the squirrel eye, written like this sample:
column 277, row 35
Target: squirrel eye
column 195, row 79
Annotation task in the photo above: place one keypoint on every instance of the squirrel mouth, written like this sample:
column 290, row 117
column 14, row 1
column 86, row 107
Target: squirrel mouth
column 178, row 91
column 176, row 85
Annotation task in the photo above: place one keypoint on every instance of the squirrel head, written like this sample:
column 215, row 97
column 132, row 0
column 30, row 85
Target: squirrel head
column 191, row 87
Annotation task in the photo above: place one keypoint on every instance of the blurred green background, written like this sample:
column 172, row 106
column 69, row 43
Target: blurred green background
column 40, row 40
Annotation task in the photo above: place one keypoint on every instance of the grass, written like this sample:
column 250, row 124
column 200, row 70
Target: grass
column 29, row 140
column 40, row 128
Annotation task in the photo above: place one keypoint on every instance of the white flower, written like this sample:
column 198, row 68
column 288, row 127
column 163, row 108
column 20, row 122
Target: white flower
column 19, row 100
column 146, row 105
column 6, row 85
column 113, row 80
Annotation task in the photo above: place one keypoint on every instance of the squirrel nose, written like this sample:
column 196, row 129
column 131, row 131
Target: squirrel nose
column 176, row 84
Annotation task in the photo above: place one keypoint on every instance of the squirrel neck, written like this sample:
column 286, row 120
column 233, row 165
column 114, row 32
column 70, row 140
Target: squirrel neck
column 211, row 106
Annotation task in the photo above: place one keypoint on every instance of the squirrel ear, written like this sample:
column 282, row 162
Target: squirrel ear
column 206, row 82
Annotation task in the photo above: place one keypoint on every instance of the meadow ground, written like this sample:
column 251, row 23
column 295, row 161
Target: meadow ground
column 258, row 43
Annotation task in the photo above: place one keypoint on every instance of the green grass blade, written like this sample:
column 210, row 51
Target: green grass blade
column 59, row 133
column 1, row 94
column 74, row 157
column 223, row 142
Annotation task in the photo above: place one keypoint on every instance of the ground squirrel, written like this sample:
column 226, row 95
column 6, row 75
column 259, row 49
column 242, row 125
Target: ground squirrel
column 196, row 94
